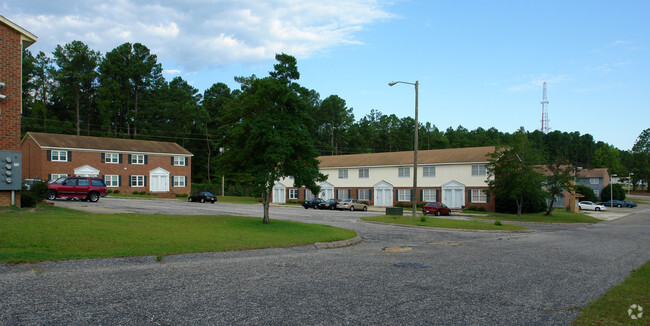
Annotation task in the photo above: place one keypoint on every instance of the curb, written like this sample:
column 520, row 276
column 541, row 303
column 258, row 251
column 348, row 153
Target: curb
column 447, row 229
column 338, row 244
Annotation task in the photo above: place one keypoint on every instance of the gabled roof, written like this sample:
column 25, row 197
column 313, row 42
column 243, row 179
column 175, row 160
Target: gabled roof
column 594, row 173
column 27, row 37
column 433, row 156
column 102, row 144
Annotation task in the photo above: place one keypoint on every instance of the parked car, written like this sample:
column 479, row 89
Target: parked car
column 587, row 205
column 436, row 208
column 629, row 203
column 353, row 205
column 616, row 203
column 84, row 188
column 329, row 204
column 202, row 197
column 312, row 203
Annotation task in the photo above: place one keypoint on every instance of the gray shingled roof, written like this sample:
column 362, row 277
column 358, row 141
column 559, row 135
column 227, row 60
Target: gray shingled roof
column 433, row 156
column 88, row 143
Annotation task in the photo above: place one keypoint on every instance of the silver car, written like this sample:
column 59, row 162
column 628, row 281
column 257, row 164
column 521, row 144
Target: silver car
column 587, row 205
column 352, row 204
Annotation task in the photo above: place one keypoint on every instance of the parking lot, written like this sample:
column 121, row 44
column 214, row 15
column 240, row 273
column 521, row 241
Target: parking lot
column 438, row 276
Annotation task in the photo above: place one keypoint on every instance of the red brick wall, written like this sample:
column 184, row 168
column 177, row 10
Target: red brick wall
column 36, row 164
column 11, row 75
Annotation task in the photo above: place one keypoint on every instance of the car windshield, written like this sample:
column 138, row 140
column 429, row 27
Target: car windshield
column 431, row 204
column 208, row 194
column 59, row 180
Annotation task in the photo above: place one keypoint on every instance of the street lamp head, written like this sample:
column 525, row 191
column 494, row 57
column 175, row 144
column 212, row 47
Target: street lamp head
column 392, row 83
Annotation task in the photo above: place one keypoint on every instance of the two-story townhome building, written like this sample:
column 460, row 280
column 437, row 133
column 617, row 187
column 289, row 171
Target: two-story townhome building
column 127, row 165
column 596, row 179
column 456, row 177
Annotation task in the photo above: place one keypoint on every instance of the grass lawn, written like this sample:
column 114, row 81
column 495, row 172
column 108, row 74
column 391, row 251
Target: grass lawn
column 558, row 216
column 443, row 223
column 612, row 307
column 52, row 233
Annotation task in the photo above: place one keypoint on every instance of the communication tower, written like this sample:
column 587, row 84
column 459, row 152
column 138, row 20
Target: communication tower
column 544, row 111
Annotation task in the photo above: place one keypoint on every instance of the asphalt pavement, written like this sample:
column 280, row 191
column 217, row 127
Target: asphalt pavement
column 436, row 276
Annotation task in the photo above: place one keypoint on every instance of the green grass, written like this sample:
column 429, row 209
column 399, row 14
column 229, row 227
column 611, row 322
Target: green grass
column 442, row 223
column 558, row 216
column 611, row 308
column 58, row 234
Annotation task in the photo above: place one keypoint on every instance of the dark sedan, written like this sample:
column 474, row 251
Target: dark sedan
column 615, row 203
column 436, row 208
column 202, row 197
column 629, row 203
column 329, row 204
column 312, row 203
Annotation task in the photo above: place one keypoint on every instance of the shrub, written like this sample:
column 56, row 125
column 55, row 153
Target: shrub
column 294, row 201
column 182, row 195
column 116, row 191
column 497, row 223
column 36, row 194
column 136, row 192
column 587, row 192
column 533, row 203
column 619, row 193
column 108, row 191
column 476, row 208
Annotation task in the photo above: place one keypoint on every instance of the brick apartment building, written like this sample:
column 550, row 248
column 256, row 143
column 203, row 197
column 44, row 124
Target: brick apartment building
column 127, row 165
column 13, row 40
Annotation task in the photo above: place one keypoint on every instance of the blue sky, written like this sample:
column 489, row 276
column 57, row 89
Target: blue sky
column 479, row 63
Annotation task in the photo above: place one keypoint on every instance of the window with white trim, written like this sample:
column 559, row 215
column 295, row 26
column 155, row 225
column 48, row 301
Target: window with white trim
column 56, row 176
column 112, row 180
column 293, row 193
column 137, row 181
column 594, row 181
column 404, row 194
column 343, row 194
column 364, row 194
column 59, row 156
column 429, row 195
column 137, row 158
column 308, row 194
column 479, row 196
column 112, row 158
column 428, row 171
column 179, row 181
column 343, row 173
column 179, row 160
column 364, row 173
column 597, row 193
column 478, row 170
column 404, row 172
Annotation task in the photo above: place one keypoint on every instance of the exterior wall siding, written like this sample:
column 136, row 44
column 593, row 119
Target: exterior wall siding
column 10, row 74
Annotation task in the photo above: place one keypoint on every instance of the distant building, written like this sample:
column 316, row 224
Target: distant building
column 596, row 179
column 456, row 177
column 127, row 165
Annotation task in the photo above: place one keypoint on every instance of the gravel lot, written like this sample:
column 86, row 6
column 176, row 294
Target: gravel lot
column 470, row 278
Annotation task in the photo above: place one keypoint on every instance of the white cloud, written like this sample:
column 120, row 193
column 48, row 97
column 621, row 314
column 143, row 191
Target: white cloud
column 536, row 82
column 196, row 34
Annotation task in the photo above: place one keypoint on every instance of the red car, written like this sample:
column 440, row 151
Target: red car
column 436, row 208
column 84, row 188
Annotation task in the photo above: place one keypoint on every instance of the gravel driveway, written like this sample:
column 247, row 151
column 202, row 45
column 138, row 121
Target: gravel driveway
column 448, row 277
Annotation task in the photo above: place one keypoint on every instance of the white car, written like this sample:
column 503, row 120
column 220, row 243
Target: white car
column 587, row 205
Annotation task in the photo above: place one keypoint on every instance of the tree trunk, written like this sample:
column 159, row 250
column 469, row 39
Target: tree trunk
column 135, row 108
column 520, row 202
column 207, row 141
column 266, row 199
column 550, row 208
column 77, row 100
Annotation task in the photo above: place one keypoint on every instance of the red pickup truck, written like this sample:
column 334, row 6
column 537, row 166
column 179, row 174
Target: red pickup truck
column 85, row 188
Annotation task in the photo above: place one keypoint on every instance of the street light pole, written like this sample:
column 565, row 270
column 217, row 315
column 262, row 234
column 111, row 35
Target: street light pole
column 611, row 190
column 415, row 146
column 629, row 180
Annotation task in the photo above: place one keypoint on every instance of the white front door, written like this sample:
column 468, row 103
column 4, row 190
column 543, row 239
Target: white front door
column 279, row 194
column 326, row 191
column 159, row 180
column 453, row 194
column 383, row 194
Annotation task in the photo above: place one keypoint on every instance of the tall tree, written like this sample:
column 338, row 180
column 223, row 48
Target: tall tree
column 269, row 133
column 336, row 119
column 641, row 157
column 76, row 74
column 512, row 173
column 557, row 180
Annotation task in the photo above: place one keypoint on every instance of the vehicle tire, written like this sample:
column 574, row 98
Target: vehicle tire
column 351, row 208
column 449, row 213
column 93, row 197
column 189, row 199
column 437, row 213
column 202, row 200
column 51, row 195
column 597, row 209
column 365, row 208
column 332, row 207
column 619, row 205
column 306, row 207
